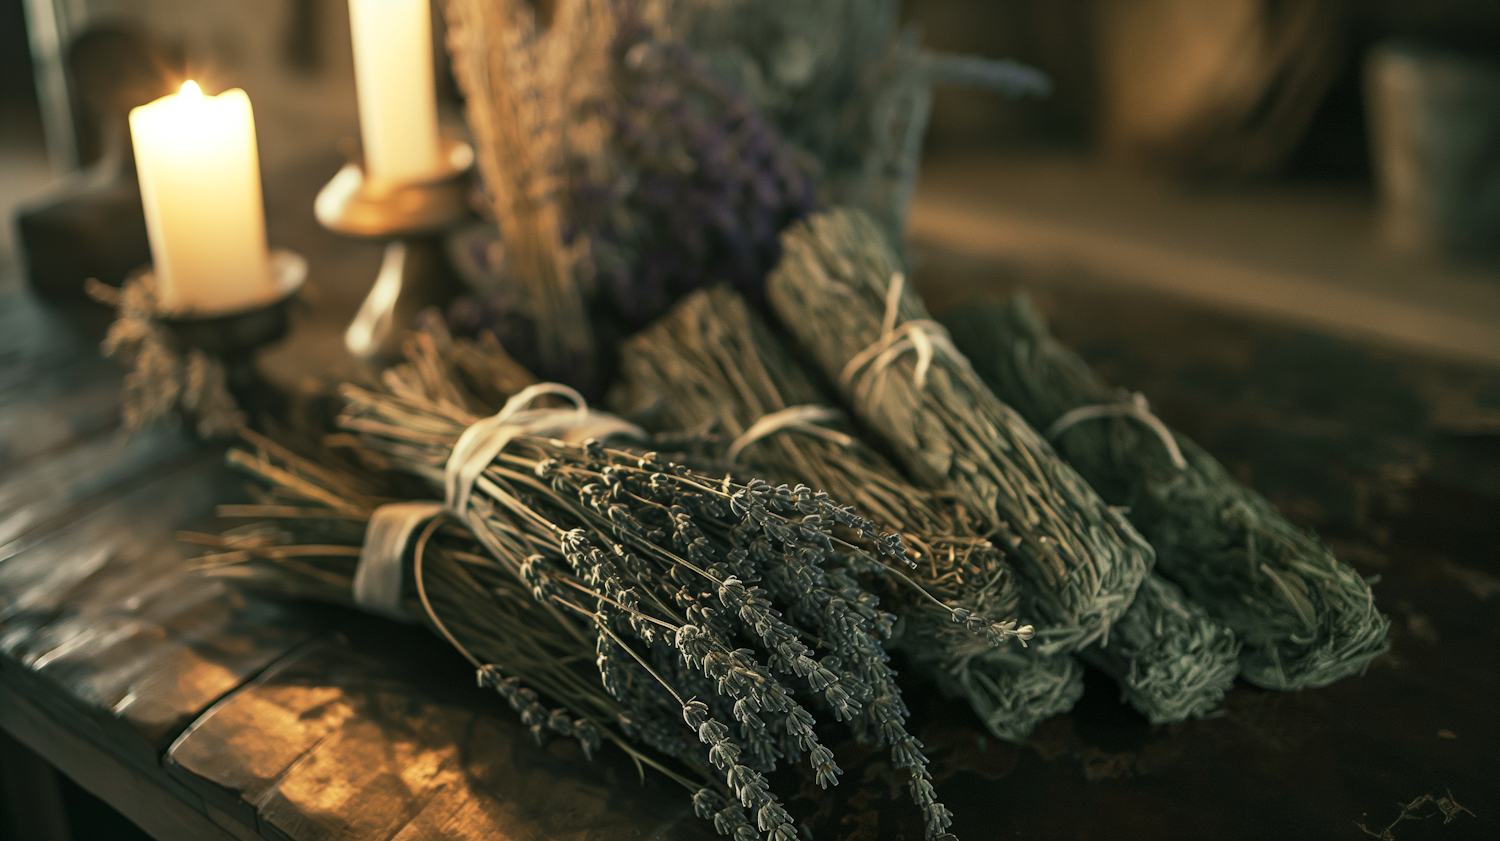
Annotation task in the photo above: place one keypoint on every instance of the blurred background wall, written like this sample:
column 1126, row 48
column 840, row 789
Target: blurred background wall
column 1133, row 76
column 291, row 56
column 1331, row 162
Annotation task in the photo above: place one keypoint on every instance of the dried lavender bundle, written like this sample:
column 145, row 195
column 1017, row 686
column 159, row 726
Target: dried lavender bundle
column 305, row 541
column 704, row 184
column 1305, row 618
column 840, row 293
column 678, row 575
column 711, row 363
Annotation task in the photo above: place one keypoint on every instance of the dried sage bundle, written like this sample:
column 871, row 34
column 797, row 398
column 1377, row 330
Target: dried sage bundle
column 713, row 364
column 1306, row 619
column 1169, row 657
column 1172, row 660
column 840, row 292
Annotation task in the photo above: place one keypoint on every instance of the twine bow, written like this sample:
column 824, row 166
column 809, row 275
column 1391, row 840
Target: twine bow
column 922, row 335
column 795, row 419
column 377, row 578
column 1137, row 408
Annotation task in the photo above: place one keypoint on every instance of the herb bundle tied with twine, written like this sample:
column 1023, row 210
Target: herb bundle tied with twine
column 904, row 379
column 712, row 365
column 1306, row 619
column 721, row 614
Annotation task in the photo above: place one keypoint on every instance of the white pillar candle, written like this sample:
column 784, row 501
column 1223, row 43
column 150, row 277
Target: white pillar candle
column 397, row 97
column 196, row 159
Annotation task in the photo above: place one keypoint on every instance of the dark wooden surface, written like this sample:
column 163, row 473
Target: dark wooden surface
column 203, row 712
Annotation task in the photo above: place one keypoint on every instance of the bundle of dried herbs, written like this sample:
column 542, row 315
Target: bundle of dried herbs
column 1305, row 618
column 844, row 83
column 906, row 381
column 1171, row 659
column 305, row 541
column 704, row 595
column 840, row 292
column 523, row 92
column 622, row 173
column 711, row 364
column 734, row 608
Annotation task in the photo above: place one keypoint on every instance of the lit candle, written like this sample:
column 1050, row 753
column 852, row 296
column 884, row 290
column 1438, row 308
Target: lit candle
column 397, row 97
column 196, row 159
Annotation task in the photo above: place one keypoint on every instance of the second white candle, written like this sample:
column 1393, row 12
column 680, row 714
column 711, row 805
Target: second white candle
column 397, row 97
column 200, row 188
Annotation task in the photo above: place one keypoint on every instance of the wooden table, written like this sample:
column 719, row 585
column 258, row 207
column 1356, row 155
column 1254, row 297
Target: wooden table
column 202, row 712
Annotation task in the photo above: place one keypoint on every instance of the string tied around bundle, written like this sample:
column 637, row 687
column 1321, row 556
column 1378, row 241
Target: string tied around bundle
column 1135, row 407
column 378, row 576
column 804, row 419
column 923, row 335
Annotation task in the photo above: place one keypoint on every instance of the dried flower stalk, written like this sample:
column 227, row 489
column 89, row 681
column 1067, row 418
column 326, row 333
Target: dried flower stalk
column 524, row 91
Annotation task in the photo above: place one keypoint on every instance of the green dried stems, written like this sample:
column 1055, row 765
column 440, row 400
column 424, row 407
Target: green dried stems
column 838, row 290
column 712, row 364
column 907, row 382
column 1172, row 660
column 1305, row 619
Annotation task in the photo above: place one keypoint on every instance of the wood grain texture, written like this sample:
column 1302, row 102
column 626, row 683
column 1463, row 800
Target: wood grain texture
column 168, row 813
column 107, row 611
column 77, row 401
column 377, row 733
column 43, row 490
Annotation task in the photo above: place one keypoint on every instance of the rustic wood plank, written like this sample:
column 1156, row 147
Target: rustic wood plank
column 36, row 339
column 76, row 402
column 167, row 813
column 381, row 735
column 44, row 490
column 108, row 612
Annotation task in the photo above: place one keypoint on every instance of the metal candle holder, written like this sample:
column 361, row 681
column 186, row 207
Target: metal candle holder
column 234, row 337
column 414, row 273
column 196, row 367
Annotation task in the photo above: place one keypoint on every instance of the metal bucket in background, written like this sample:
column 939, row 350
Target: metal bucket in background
column 1435, row 138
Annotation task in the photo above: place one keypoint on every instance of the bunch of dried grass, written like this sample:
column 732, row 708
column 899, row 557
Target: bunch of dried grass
column 839, row 290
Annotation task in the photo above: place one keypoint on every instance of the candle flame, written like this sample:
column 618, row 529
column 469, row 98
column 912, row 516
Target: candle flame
column 191, row 92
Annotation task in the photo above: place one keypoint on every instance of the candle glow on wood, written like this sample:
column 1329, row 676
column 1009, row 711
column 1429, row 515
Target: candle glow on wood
column 200, row 187
column 397, row 94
